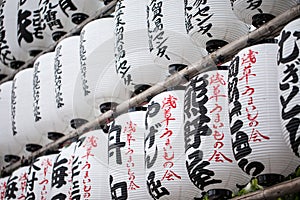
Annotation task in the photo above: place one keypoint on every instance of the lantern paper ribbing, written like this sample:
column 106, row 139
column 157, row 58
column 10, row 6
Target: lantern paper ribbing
column 8, row 145
column 39, row 177
column 258, row 144
column 164, row 148
column 100, row 82
column 70, row 102
column 11, row 53
column 207, row 134
column 134, row 63
column 168, row 40
column 91, row 167
column 209, row 21
column 251, row 12
column 45, row 116
column 31, row 28
column 22, row 110
column 61, row 186
column 16, row 184
column 288, row 76
column 126, row 157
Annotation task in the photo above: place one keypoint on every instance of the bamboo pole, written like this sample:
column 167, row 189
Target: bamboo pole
column 207, row 63
column 270, row 193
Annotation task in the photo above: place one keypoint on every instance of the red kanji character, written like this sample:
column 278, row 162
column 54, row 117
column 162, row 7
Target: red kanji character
column 88, row 154
column 45, row 181
column 252, row 119
column 217, row 93
column 87, row 188
column 217, row 157
column 169, row 174
column 249, row 89
column 220, row 126
column 250, row 57
column 218, row 136
column 250, row 101
column 86, row 195
column 168, row 164
column 133, row 186
column 130, row 162
column 247, row 73
column 217, row 107
column 168, row 132
column 168, row 117
column 169, row 102
column 218, row 117
column 92, row 141
column 130, row 138
column 255, row 134
column 166, row 155
column 87, row 165
column 218, row 78
column 129, row 151
column 218, row 145
column 130, row 128
column 86, row 175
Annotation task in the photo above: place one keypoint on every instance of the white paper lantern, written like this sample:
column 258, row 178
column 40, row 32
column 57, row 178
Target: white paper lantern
column 288, row 77
column 210, row 161
column 3, row 186
column 61, row 180
column 62, row 16
column 212, row 24
column 90, row 167
column 44, row 105
column 31, row 28
column 164, row 148
column 16, row 184
column 100, row 82
column 11, row 53
column 70, row 104
column 168, row 40
column 9, row 148
column 22, row 112
column 258, row 144
column 259, row 12
column 126, row 157
column 39, row 177
column 134, row 63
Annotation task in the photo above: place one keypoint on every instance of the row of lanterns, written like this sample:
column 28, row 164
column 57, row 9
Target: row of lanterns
column 210, row 137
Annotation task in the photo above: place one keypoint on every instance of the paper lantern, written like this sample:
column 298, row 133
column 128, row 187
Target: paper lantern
column 259, row 12
column 44, row 105
column 61, row 180
column 288, row 77
column 11, row 53
column 9, row 148
column 31, row 28
column 212, row 24
column 168, row 40
column 39, row 177
column 70, row 104
column 23, row 114
column 16, row 184
column 134, row 63
column 126, row 157
column 209, row 158
column 257, row 142
column 101, row 86
column 3, row 185
column 164, row 148
column 90, row 167
column 62, row 16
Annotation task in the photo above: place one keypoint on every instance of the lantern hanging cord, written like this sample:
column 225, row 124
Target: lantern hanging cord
column 207, row 63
